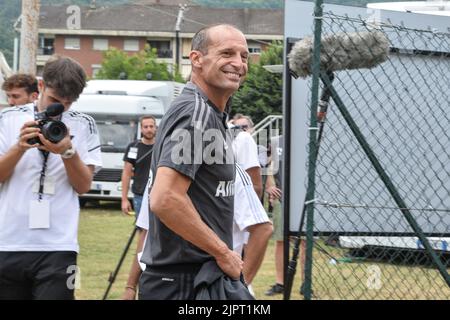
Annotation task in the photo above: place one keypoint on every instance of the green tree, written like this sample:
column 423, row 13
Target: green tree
column 136, row 67
column 262, row 92
column 9, row 11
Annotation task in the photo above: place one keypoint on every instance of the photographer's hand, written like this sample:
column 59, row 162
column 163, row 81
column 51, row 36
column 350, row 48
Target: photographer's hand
column 28, row 131
column 79, row 174
column 9, row 160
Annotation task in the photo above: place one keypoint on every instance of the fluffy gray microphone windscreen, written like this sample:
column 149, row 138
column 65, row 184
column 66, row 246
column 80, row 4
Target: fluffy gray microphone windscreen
column 341, row 51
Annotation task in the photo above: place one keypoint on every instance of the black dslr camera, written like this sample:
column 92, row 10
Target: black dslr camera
column 52, row 130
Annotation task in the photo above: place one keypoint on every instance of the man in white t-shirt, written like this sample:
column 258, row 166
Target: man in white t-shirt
column 21, row 89
column 41, row 179
column 142, row 223
column 252, row 227
column 248, row 213
column 247, row 159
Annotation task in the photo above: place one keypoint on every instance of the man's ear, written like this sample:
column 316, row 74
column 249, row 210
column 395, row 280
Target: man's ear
column 196, row 58
column 41, row 85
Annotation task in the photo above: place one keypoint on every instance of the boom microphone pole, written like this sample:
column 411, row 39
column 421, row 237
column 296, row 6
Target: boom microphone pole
column 343, row 51
column 113, row 275
column 321, row 116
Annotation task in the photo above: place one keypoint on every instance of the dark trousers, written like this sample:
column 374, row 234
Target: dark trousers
column 168, row 282
column 37, row 275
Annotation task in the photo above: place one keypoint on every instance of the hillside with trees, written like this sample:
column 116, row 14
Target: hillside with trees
column 277, row 3
column 9, row 11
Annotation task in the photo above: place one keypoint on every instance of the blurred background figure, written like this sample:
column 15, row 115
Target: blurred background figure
column 246, row 151
column 21, row 89
column 137, row 164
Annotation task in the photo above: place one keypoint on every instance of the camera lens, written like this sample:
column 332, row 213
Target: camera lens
column 54, row 131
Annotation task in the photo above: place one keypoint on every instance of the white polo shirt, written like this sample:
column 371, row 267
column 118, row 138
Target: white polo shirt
column 248, row 209
column 16, row 194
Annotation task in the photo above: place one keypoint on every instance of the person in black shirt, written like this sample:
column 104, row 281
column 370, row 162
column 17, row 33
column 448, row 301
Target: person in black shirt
column 137, row 164
column 193, row 171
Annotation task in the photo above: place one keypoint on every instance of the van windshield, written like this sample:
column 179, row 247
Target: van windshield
column 116, row 135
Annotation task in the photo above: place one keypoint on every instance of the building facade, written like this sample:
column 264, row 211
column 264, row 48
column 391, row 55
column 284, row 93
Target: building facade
column 85, row 33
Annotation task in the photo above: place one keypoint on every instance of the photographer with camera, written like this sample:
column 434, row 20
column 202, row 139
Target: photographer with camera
column 48, row 155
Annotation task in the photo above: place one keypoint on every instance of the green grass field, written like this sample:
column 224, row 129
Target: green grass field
column 104, row 232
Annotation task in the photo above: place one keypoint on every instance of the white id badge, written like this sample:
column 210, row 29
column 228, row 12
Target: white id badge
column 132, row 154
column 39, row 215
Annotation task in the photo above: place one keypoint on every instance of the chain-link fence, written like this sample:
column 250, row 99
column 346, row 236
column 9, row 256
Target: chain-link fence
column 383, row 171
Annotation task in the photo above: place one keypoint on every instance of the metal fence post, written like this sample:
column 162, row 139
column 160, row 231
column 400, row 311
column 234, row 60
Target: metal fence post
column 318, row 11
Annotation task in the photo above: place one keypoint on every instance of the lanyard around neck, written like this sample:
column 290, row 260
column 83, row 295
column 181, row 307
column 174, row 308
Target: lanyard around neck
column 45, row 155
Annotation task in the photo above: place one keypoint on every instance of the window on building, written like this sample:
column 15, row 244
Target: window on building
column 254, row 50
column 162, row 48
column 187, row 44
column 95, row 69
column 46, row 45
column 131, row 45
column 72, row 43
column 100, row 44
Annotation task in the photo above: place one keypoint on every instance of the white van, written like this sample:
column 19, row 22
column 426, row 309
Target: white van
column 116, row 106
